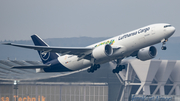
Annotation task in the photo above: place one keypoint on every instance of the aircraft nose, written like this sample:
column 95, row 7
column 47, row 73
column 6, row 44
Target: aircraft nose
column 172, row 30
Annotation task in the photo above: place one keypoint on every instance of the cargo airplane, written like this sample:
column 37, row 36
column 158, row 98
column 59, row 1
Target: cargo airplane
column 137, row 43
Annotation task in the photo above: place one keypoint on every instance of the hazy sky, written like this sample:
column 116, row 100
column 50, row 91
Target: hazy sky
column 19, row 19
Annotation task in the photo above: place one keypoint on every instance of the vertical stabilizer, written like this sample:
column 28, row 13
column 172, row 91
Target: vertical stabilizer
column 44, row 55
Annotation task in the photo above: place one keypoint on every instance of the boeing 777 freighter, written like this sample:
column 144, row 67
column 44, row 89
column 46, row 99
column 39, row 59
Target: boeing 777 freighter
column 137, row 43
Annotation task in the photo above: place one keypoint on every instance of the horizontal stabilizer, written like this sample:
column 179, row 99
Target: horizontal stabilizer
column 30, row 67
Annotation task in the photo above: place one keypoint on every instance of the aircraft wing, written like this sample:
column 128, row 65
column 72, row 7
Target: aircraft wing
column 63, row 50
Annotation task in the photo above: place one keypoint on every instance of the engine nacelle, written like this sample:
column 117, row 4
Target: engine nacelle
column 147, row 53
column 102, row 51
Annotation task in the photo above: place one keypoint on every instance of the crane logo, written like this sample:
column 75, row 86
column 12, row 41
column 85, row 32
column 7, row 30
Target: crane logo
column 44, row 55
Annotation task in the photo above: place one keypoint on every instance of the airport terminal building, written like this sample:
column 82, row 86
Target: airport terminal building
column 150, row 80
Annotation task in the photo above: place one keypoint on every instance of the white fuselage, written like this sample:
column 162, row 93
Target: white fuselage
column 128, row 43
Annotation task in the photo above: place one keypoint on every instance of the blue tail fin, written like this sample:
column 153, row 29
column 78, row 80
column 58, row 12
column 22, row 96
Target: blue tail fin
column 45, row 56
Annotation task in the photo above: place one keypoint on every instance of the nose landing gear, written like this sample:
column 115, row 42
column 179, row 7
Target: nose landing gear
column 164, row 44
column 163, row 47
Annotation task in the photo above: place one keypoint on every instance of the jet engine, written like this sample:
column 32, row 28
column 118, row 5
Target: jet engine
column 147, row 53
column 102, row 51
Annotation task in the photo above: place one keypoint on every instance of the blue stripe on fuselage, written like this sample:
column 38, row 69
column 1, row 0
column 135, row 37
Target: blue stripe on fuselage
column 56, row 66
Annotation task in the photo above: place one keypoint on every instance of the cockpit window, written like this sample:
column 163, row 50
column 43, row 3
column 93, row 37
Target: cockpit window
column 167, row 26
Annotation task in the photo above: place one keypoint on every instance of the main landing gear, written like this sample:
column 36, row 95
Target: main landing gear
column 164, row 44
column 118, row 67
column 93, row 68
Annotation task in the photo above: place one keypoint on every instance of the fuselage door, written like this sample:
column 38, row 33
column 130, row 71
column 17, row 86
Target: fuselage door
column 152, row 30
